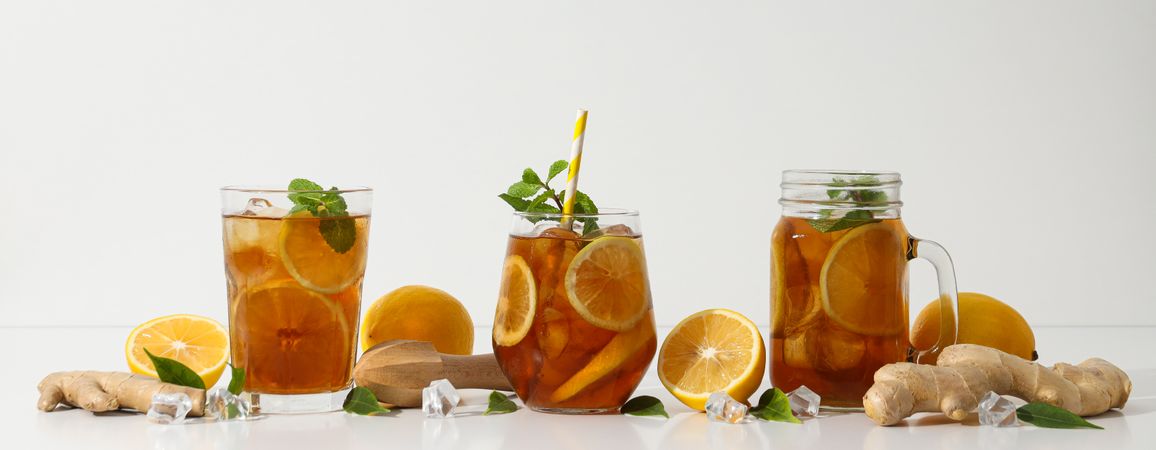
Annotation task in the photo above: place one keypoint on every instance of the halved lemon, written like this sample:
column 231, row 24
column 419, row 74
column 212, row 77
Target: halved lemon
column 517, row 301
column 862, row 281
column 606, row 283
column 198, row 342
column 312, row 262
column 710, row 351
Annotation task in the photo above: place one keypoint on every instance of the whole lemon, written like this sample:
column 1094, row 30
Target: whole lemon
column 983, row 320
column 419, row 313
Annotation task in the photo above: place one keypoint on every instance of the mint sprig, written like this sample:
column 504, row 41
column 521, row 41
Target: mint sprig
column 827, row 222
column 237, row 380
column 174, row 372
column 533, row 194
column 339, row 230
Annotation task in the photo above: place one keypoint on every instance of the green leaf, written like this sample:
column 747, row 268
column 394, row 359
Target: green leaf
column 362, row 402
column 774, row 406
column 583, row 204
column 558, row 167
column 1047, row 416
column 540, row 199
column 529, row 176
column 500, row 404
column 518, row 203
column 852, row 219
column 340, row 233
column 645, row 405
column 237, row 380
column 174, row 372
column 589, row 226
column 523, row 189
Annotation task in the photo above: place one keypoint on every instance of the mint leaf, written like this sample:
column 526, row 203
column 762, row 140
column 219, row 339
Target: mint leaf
column 523, row 189
column 589, row 226
column 500, row 404
column 774, row 406
column 340, row 232
column 583, row 204
column 518, row 203
column 645, row 405
column 1047, row 416
column 174, row 372
column 237, row 380
column 529, row 176
column 362, row 402
column 852, row 219
column 558, row 167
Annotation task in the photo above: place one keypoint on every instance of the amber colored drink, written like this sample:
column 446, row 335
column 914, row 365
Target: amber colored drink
column 293, row 302
column 565, row 363
column 831, row 347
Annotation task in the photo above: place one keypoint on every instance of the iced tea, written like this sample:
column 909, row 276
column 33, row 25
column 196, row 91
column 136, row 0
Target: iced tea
column 839, row 305
column 574, row 330
column 293, row 299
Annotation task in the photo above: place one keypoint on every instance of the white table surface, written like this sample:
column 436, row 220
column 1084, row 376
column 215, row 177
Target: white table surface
column 34, row 352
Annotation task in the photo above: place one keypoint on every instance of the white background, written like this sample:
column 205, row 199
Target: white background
column 1025, row 132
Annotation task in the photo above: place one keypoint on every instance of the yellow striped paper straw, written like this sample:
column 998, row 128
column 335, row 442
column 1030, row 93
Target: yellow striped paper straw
column 575, row 162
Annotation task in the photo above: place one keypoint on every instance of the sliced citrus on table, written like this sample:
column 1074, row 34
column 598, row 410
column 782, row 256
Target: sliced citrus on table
column 862, row 281
column 606, row 283
column 198, row 342
column 517, row 301
column 419, row 313
column 310, row 259
column 710, row 351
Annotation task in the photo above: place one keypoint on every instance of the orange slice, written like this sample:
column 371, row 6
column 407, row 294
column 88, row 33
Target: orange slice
column 861, row 281
column 606, row 283
column 617, row 352
column 517, row 301
column 198, row 342
column 281, row 324
column 312, row 262
column 710, row 351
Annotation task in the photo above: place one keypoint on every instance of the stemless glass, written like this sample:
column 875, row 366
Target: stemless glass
column 294, row 281
column 839, row 306
column 574, row 328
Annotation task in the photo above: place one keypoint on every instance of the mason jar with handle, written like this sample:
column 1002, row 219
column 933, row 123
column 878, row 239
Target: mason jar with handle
column 839, row 308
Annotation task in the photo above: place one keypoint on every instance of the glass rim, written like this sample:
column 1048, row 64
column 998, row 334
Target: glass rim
column 808, row 178
column 602, row 212
column 259, row 189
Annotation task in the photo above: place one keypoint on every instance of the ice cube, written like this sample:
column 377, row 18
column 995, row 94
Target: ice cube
column 221, row 405
column 612, row 230
column 439, row 399
column 996, row 411
column 263, row 208
column 169, row 408
column 720, row 407
column 804, row 402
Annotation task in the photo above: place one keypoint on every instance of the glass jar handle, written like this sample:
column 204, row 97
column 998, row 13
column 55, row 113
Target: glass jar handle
column 948, row 303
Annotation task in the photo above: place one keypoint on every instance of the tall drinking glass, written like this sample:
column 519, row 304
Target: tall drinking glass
column 574, row 329
column 294, row 281
column 839, row 284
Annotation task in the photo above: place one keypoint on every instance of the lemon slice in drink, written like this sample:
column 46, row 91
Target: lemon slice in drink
column 312, row 262
column 861, row 281
column 710, row 351
column 516, row 304
column 606, row 283
column 198, row 342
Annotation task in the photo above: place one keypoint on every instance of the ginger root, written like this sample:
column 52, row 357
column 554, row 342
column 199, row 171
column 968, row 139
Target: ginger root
column 965, row 372
column 106, row 391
